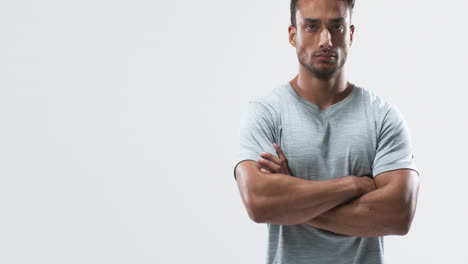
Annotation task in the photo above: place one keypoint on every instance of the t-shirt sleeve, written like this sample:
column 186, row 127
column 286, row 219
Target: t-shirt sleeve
column 394, row 148
column 256, row 133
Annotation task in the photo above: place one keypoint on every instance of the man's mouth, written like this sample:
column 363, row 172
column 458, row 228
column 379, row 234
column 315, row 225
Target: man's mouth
column 326, row 53
column 326, row 56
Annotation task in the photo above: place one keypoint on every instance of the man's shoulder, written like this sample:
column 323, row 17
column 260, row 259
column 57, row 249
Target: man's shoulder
column 373, row 101
column 272, row 101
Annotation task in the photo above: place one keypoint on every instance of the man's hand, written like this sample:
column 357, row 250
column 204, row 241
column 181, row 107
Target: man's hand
column 271, row 164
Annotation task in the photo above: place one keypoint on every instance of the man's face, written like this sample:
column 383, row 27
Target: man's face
column 322, row 36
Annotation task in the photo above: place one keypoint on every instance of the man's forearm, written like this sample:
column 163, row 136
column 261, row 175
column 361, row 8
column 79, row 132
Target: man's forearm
column 377, row 213
column 287, row 200
column 387, row 208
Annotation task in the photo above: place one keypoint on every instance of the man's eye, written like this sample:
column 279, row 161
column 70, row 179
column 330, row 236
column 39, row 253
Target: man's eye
column 338, row 27
column 311, row 27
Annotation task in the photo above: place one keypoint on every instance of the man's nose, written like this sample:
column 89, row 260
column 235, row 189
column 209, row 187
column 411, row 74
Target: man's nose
column 325, row 39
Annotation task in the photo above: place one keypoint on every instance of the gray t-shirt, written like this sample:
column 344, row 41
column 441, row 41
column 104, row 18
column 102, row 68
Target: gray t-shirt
column 360, row 135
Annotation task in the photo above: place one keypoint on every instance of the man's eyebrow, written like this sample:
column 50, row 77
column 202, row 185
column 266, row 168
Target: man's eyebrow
column 311, row 20
column 315, row 20
column 338, row 19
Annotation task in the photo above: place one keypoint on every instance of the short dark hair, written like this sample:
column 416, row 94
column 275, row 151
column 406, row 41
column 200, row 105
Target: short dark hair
column 294, row 9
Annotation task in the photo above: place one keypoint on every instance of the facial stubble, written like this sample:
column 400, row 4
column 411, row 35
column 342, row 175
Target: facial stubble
column 326, row 73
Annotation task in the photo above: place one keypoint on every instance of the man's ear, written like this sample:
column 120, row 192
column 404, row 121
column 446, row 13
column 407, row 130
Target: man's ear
column 351, row 34
column 292, row 35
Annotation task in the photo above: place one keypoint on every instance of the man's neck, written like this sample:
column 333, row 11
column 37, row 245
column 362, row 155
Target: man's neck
column 322, row 93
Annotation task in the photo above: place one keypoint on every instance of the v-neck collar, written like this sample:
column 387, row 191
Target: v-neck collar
column 331, row 109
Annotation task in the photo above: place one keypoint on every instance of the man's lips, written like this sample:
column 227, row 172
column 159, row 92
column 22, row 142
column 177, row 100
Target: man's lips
column 326, row 57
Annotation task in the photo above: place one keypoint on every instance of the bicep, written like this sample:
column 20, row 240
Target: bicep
column 401, row 185
column 247, row 176
column 248, row 179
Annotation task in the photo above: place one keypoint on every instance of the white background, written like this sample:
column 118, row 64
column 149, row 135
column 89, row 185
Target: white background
column 119, row 124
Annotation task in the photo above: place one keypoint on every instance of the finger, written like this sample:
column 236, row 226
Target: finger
column 271, row 157
column 265, row 171
column 265, row 168
column 279, row 151
column 270, row 165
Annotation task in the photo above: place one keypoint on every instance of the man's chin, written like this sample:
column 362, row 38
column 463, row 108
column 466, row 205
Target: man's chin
column 324, row 73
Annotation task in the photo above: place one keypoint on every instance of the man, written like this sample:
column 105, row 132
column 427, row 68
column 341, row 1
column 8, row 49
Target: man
column 349, row 178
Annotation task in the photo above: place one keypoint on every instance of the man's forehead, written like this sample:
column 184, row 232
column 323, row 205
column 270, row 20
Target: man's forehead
column 322, row 9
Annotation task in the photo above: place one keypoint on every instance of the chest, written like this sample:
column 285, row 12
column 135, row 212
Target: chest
column 318, row 147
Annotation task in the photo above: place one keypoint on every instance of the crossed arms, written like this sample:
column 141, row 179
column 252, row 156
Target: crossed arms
column 350, row 205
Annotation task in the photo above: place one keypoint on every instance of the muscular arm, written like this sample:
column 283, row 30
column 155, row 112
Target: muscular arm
column 388, row 210
column 286, row 200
